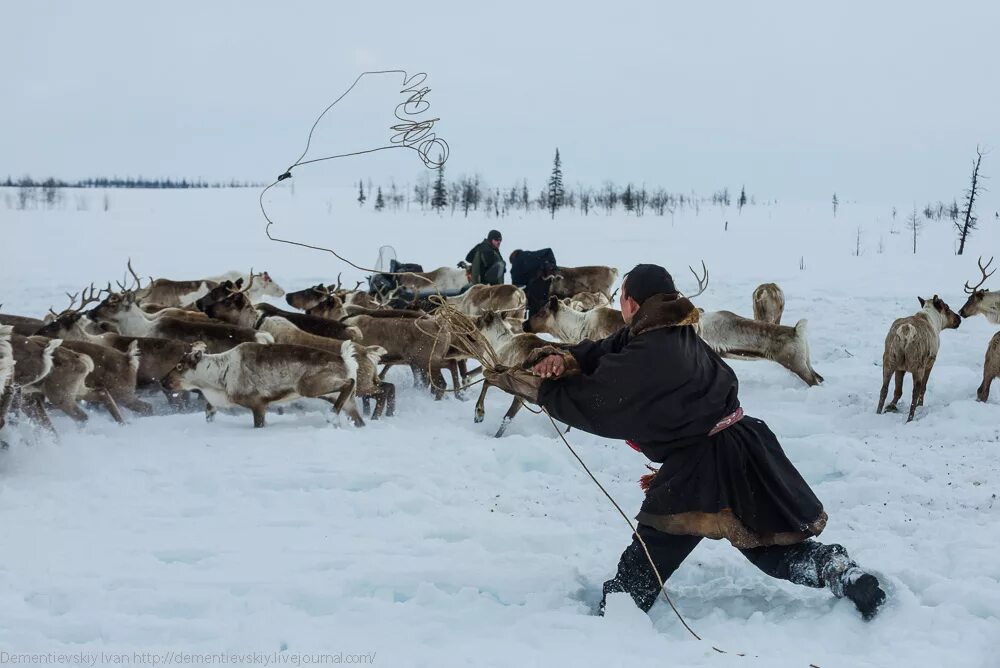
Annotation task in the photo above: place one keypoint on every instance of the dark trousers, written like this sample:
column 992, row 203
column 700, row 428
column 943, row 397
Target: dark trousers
column 494, row 274
column 809, row 563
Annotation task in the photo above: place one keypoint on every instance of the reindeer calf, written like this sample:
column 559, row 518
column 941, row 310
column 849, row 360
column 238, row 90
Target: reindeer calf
column 254, row 375
column 911, row 346
column 768, row 303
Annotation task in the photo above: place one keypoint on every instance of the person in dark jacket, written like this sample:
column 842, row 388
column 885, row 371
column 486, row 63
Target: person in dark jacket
column 487, row 265
column 722, row 474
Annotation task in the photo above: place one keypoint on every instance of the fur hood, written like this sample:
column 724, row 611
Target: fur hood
column 661, row 311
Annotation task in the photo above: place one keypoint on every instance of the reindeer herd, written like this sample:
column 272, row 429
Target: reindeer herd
column 216, row 338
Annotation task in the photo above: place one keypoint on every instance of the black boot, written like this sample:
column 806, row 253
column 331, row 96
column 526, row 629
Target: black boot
column 865, row 592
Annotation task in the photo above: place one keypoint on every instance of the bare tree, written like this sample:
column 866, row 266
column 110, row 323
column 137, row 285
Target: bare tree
column 913, row 223
column 968, row 218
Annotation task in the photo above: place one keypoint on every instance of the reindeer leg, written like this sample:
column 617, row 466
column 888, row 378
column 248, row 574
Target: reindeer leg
column 6, row 397
column 438, row 388
column 366, row 405
column 210, row 411
column 897, row 393
column 136, row 405
column 70, row 407
column 886, row 375
column 923, row 385
column 33, row 407
column 389, row 393
column 385, row 370
column 455, row 372
column 481, row 404
column 258, row 415
column 103, row 397
column 983, row 393
column 918, row 384
column 515, row 406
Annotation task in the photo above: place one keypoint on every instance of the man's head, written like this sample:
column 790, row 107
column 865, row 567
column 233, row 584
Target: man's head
column 644, row 281
column 494, row 237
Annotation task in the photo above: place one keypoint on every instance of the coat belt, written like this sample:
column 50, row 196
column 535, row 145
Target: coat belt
column 721, row 425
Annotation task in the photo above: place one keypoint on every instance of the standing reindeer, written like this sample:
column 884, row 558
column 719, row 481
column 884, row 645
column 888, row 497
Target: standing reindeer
column 768, row 303
column 982, row 301
column 912, row 346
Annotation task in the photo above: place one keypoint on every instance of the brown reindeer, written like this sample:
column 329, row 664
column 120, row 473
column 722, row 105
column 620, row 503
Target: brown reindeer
column 982, row 301
column 120, row 311
column 44, row 370
column 572, row 326
column 587, row 301
column 912, row 346
column 310, row 297
column 568, row 281
column 768, row 303
column 254, row 375
column 478, row 299
column 991, row 368
column 512, row 350
column 22, row 325
column 736, row 337
column 422, row 343
column 156, row 356
column 170, row 293
column 229, row 303
column 441, row 279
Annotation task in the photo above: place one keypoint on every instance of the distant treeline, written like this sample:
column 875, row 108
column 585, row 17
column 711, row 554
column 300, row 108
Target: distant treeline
column 126, row 182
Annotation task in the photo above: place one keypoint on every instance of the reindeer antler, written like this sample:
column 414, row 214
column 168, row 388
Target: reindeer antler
column 86, row 296
column 337, row 289
column 702, row 281
column 357, row 285
column 135, row 277
column 982, row 270
column 247, row 287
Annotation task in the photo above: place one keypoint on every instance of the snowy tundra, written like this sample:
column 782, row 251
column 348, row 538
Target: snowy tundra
column 422, row 538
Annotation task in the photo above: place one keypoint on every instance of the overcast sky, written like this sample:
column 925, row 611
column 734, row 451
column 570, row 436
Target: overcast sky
column 878, row 101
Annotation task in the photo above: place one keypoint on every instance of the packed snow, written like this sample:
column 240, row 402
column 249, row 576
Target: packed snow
column 421, row 538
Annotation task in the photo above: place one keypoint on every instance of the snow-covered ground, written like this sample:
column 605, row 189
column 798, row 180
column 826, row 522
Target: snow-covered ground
column 422, row 538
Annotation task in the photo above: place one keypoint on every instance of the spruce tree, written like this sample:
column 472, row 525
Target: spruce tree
column 556, row 193
column 439, row 198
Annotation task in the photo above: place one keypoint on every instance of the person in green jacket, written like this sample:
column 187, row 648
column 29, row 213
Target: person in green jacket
column 487, row 263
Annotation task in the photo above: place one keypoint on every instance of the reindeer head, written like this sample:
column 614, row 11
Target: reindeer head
column 308, row 298
column 331, row 307
column 179, row 376
column 266, row 285
column 980, row 300
column 229, row 302
column 544, row 319
column 114, row 307
column 949, row 319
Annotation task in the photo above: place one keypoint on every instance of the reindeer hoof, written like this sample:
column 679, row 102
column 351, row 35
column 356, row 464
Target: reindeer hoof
column 503, row 428
column 891, row 409
column 479, row 418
